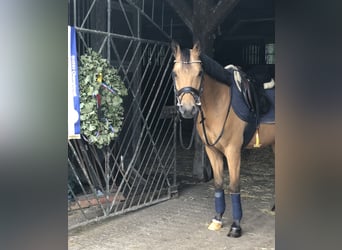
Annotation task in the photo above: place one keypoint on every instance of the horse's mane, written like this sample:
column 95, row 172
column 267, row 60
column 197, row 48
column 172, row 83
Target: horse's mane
column 215, row 70
column 185, row 55
column 210, row 66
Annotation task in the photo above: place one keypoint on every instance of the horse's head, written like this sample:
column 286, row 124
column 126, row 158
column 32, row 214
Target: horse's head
column 187, row 76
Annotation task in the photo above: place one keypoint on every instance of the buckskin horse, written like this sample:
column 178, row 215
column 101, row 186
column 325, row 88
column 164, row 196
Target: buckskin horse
column 231, row 113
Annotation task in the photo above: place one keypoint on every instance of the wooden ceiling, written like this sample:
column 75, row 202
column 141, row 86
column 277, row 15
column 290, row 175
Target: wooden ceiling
column 250, row 20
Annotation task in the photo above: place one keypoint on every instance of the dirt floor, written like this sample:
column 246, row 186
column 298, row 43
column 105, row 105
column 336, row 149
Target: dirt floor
column 181, row 223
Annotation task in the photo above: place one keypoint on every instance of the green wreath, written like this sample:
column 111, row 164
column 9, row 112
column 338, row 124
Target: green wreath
column 101, row 91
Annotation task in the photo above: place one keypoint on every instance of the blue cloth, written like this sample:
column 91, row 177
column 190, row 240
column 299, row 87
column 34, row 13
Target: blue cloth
column 220, row 203
column 236, row 205
column 74, row 123
column 269, row 117
column 242, row 110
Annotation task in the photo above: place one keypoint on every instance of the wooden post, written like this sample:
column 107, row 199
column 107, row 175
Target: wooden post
column 203, row 18
column 201, row 169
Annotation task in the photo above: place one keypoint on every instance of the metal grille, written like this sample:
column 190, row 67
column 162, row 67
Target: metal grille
column 138, row 169
column 252, row 54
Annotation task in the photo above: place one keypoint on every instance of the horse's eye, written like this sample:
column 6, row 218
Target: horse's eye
column 200, row 73
column 174, row 75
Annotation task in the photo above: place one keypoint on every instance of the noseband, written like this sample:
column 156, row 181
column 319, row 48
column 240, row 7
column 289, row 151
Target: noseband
column 196, row 94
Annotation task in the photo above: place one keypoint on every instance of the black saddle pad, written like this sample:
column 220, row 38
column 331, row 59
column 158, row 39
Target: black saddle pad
column 242, row 110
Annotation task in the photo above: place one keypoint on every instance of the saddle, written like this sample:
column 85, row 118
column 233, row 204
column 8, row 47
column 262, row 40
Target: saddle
column 253, row 94
column 253, row 91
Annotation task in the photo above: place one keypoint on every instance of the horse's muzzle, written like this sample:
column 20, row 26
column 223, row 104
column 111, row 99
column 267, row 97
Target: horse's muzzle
column 188, row 111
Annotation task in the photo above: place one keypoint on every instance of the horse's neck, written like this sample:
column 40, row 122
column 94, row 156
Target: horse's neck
column 215, row 97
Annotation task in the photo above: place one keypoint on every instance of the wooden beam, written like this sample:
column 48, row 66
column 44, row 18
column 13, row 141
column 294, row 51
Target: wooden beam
column 217, row 15
column 238, row 23
column 247, row 37
column 183, row 10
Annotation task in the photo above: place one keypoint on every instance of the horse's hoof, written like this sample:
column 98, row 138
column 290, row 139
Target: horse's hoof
column 215, row 225
column 235, row 231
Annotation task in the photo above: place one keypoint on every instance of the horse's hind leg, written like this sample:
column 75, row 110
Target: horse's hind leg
column 216, row 160
column 233, row 155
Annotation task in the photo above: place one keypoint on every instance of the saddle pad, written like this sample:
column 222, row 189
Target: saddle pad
column 269, row 117
column 242, row 110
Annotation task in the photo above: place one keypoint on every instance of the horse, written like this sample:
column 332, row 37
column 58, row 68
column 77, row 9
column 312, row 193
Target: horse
column 205, row 91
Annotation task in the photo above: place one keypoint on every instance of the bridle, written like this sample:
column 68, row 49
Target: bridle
column 196, row 94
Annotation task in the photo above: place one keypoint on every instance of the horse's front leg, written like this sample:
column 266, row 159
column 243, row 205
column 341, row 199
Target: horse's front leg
column 233, row 155
column 216, row 160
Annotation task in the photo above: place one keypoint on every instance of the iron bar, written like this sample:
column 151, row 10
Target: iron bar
column 88, row 13
column 162, row 15
column 109, row 11
column 126, row 18
column 138, row 169
column 149, row 113
column 120, row 36
column 121, row 61
column 156, row 171
column 149, row 19
column 76, row 176
column 75, row 15
column 82, row 165
column 152, row 13
column 82, row 152
column 131, row 209
column 73, row 194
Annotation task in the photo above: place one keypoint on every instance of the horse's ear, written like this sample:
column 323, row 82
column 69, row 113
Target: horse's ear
column 197, row 47
column 175, row 48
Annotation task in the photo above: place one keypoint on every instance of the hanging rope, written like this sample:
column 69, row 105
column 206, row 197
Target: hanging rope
column 181, row 134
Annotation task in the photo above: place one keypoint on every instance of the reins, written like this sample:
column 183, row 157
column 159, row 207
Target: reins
column 181, row 135
column 224, row 124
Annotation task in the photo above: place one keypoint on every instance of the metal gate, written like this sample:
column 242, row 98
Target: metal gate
column 138, row 168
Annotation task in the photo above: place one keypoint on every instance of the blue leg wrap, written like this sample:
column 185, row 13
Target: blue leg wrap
column 220, row 203
column 236, row 204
